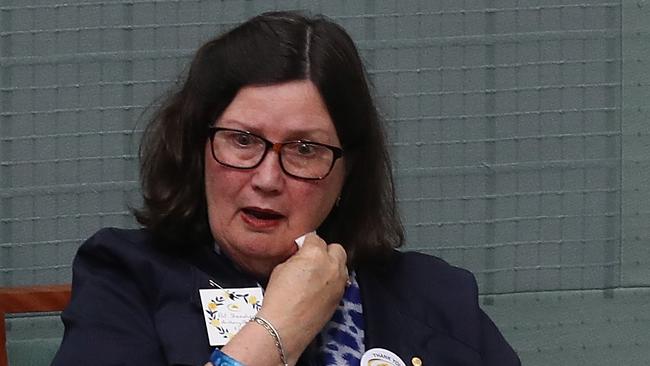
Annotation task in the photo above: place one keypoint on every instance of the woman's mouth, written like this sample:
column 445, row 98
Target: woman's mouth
column 260, row 218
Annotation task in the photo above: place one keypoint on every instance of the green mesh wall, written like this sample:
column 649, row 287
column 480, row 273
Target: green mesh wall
column 518, row 130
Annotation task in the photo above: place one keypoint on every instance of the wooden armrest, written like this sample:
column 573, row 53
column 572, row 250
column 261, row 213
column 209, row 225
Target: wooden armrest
column 34, row 298
column 29, row 299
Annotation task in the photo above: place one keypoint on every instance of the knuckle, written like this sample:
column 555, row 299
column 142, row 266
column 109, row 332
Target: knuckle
column 313, row 241
column 337, row 249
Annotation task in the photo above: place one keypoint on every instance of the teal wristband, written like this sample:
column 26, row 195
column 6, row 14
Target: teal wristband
column 219, row 358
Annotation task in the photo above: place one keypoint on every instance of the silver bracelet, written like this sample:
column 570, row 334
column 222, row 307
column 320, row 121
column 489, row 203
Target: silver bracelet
column 274, row 333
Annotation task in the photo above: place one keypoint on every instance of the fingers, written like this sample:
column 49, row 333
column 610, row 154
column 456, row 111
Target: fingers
column 337, row 252
column 314, row 245
column 312, row 240
column 334, row 250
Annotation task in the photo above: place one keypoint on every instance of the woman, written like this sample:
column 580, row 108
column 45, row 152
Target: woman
column 273, row 135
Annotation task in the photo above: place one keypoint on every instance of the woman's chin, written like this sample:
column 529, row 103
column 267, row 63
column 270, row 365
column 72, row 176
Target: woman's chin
column 260, row 263
column 261, row 270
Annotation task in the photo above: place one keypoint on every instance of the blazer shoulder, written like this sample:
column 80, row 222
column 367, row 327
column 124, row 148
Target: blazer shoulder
column 429, row 290
column 116, row 270
column 119, row 239
column 431, row 273
column 123, row 245
column 131, row 252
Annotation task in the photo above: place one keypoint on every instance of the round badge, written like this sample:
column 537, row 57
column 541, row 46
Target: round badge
column 381, row 357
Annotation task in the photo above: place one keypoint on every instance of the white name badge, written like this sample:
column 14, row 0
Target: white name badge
column 227, row 310
column 380, row 357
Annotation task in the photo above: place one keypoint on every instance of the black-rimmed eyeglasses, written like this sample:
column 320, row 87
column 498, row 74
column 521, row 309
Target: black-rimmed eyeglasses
column 300, row 159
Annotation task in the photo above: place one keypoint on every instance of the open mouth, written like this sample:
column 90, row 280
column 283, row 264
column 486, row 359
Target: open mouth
column 262, row 214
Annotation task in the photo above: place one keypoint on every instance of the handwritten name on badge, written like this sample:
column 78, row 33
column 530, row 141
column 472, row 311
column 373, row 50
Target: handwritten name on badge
column 226, row 311
column 380, row 357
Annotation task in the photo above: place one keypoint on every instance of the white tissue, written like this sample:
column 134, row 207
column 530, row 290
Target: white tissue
column 301, row 239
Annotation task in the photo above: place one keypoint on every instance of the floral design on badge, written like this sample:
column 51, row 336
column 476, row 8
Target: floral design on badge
column 227, row 310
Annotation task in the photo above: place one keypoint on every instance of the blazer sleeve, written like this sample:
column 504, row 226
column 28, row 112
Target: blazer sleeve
column 471, row 325
column 108, row 321
column 492, row 346
column 495, row 349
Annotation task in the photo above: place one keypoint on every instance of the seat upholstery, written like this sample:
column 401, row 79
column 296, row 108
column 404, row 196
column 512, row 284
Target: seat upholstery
column 29, row 299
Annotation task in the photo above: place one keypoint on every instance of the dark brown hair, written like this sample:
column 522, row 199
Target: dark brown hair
column 269, row 49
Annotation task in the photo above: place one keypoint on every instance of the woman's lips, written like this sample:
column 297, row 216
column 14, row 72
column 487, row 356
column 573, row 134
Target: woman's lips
column 260, row 218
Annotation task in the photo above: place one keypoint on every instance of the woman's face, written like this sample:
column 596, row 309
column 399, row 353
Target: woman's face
column 255, row 214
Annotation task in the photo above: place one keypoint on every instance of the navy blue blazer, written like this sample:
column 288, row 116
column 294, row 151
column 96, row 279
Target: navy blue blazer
column 133, row 304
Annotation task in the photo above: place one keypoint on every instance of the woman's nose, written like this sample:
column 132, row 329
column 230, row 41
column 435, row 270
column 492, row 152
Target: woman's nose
column 268, row 176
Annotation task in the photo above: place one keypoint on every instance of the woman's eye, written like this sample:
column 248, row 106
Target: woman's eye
column 305, row 149
column 243, row 139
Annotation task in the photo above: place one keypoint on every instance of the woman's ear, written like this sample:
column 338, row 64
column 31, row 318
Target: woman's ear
column 349, row 161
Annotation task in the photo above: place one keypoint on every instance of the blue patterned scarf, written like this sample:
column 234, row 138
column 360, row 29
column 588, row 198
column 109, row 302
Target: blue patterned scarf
column 341, row 341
